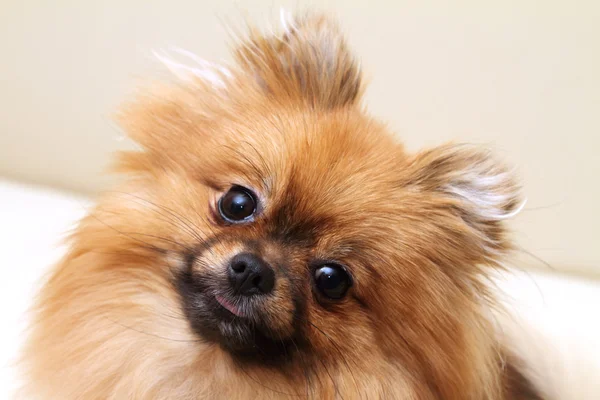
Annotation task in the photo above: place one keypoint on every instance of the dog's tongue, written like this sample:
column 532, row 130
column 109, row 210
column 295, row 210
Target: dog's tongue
column 229, row 306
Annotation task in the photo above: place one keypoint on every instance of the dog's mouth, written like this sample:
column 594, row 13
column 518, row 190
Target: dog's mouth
column 234, row 325
column 229, row 306
column 239, row 326
column 239, row 329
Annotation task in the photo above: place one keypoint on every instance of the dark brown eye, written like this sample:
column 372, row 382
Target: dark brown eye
column 332, row 281
column 237, row 205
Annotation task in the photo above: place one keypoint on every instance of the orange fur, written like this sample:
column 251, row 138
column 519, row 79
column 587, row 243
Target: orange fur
column 419, row 234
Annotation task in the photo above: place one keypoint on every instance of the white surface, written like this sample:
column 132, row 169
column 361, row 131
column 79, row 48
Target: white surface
column 33, row 221
column 521, row 76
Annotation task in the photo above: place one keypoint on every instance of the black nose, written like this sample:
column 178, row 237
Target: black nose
column 249, row 275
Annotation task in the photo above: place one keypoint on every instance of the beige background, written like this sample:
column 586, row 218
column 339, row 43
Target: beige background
column 520, row 76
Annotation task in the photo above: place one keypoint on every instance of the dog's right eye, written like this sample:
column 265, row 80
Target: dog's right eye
column 237, row 205
column 332, row 281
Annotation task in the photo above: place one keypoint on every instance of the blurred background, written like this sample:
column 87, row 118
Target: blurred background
column 521, row 77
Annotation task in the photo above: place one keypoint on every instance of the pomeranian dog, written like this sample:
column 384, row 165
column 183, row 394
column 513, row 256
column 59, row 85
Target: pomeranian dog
column 272, row 240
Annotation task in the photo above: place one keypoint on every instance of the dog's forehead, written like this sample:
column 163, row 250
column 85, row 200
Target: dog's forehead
column 320, row 194
column 315, row 173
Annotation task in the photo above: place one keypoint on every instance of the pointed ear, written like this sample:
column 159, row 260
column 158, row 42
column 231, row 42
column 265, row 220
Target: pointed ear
column 308, row 62
column 473, row 184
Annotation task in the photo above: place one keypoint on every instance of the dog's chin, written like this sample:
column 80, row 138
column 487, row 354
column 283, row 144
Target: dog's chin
column 243, row 334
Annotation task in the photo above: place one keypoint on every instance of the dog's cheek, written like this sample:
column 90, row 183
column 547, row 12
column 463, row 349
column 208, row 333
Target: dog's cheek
column 281, row 310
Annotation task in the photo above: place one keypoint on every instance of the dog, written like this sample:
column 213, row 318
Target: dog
column 273, row 240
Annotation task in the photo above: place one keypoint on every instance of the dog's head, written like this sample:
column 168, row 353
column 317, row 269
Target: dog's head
column 294, row 229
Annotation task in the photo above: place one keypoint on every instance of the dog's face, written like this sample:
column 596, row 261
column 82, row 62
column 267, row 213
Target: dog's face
column 293, row 231
column 284, row 224
column 297, row 214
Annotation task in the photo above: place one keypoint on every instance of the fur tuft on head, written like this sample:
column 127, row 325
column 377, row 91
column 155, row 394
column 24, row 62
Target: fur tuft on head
column 213, row 74
column 307, row 62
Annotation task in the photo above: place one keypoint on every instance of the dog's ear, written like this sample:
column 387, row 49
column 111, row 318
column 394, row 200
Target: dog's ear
column 308, row 62
column 474, row 185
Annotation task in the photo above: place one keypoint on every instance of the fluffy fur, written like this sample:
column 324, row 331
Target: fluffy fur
column 419, row 232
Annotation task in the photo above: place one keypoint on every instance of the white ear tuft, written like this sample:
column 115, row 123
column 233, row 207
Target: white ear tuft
column 485, row 194
column 487, row 190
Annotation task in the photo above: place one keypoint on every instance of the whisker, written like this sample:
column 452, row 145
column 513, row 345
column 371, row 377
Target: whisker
column 263, row 161
column 341, row 354
column 207, row 224
column 306, row 376
column 151, row 246
column 539, row 208
column 251, row 163
column 335, row 386
column 537, row 258
column 153, row 334
column 159, row 238
column 193, row 229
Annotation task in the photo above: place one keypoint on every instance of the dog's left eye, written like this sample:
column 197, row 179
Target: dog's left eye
column 237, row 205
column 332, row 281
